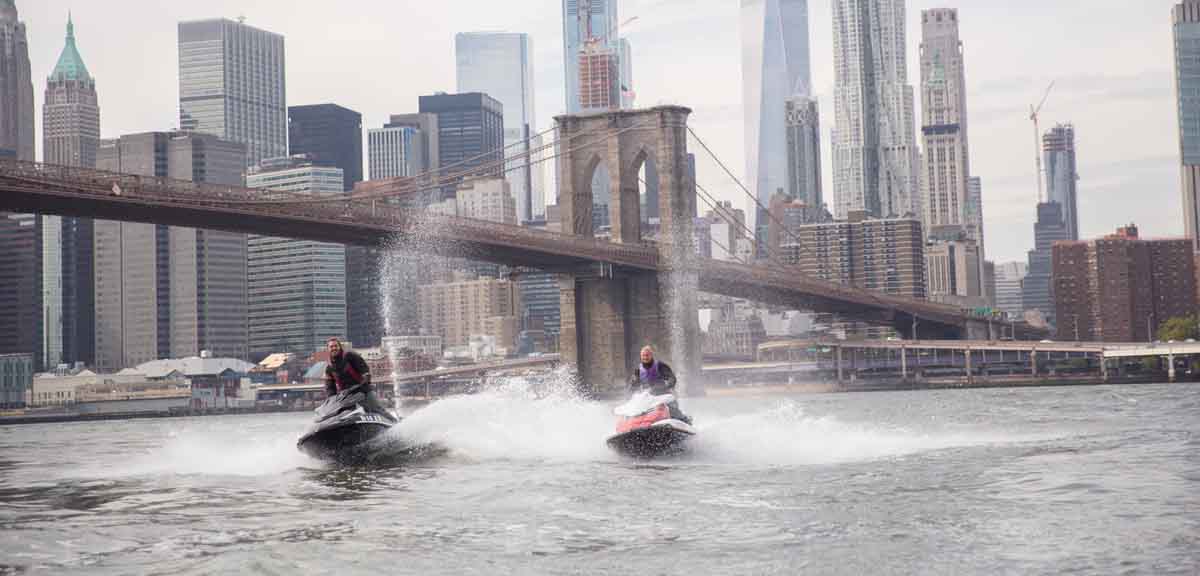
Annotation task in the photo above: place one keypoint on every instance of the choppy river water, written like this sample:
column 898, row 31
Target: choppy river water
column 1081, row 480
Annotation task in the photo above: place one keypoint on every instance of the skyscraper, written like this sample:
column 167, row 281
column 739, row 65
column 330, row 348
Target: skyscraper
column 20, row 286
column 1037, row 288
column 946, row 166
column 71, row 115
column 297, row 288
column 954, row 273
column 231, row 84
column 625, row 53
column 16, row 85
column 499, row 65
column 775, row 67
column 974, row 220
column 70, row 136
column 208, row 267
column 874, row 146
column 599, row 79
column 20, row 234
column 1009, row 278
column 167, row 291
column 1058, row 144
column 470, row 131
column 329, row 135
column 575, row 32
column 804, row 153
column 1186, row 16
column 406, row 146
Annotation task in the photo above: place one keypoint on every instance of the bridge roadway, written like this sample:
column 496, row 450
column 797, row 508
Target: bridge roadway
column 368, row 219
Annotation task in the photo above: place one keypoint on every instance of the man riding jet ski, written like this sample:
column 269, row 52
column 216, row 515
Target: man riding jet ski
column 651, row 424
column 659, row 379
column 351, row 414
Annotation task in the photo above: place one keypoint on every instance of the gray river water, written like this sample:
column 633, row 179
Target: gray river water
column 1083, row 480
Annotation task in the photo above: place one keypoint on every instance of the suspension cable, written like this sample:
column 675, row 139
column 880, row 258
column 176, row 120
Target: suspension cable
column 480, row 172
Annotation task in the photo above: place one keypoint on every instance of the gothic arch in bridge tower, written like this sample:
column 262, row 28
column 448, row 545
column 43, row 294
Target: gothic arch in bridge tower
column 609, row 313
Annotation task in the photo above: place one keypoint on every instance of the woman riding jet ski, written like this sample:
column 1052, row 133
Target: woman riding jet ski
column 351, row 414
column 651, row 423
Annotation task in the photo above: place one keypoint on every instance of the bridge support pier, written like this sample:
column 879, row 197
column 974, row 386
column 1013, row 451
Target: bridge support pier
column 609, row 314
column 1170, row 367
column 606, row 322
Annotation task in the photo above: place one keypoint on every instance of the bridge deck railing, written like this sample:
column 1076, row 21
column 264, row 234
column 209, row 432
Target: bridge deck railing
column 394, row 217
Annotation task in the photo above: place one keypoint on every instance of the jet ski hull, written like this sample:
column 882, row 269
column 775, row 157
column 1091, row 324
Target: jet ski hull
column 344, row 443
column 664, row 438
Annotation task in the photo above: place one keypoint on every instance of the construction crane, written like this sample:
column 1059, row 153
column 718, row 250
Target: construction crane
column 1037, row 136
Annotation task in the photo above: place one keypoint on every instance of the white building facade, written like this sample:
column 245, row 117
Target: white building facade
column 874, row 143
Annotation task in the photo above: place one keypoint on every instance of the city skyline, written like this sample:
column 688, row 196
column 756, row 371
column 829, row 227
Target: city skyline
column 1104, row 88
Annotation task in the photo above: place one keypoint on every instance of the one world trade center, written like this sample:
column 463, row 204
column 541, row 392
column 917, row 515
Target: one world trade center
column 775, row 78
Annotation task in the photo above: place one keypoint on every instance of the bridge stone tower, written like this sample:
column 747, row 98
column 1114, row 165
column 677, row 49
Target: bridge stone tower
column 609, row 313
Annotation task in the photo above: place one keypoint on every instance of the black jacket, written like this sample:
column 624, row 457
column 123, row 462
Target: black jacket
column 347, row 371
column 664, row 385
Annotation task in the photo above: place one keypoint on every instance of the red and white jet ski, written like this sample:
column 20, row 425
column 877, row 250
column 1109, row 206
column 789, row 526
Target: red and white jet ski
column 646, row 428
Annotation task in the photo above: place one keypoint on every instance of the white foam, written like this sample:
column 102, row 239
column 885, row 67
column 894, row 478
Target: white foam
column 220, row 449
column 784, row 435
column 514, row 420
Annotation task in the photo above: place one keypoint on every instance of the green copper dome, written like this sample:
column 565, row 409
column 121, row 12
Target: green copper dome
column 70, row 63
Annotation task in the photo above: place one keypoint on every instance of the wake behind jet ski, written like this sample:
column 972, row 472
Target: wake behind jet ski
column 650, row 423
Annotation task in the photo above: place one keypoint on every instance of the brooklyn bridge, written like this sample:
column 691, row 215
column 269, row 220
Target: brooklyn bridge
column 614, row 291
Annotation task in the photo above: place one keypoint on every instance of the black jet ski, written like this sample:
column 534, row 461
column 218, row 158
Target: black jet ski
column 646, row 428
column 344, row 427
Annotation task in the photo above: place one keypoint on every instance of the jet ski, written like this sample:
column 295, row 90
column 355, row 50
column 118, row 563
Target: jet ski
column 646, row 428
column 343, row 428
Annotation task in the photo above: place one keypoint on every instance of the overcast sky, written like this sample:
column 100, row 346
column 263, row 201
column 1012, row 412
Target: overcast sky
column 1112, row 60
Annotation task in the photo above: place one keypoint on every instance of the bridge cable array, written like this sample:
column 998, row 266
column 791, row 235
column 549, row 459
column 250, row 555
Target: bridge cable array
column 764, row 209
column 484, row 171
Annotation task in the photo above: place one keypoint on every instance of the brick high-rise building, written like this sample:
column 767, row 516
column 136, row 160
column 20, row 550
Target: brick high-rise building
column 885, row 255
column 1120, row 288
